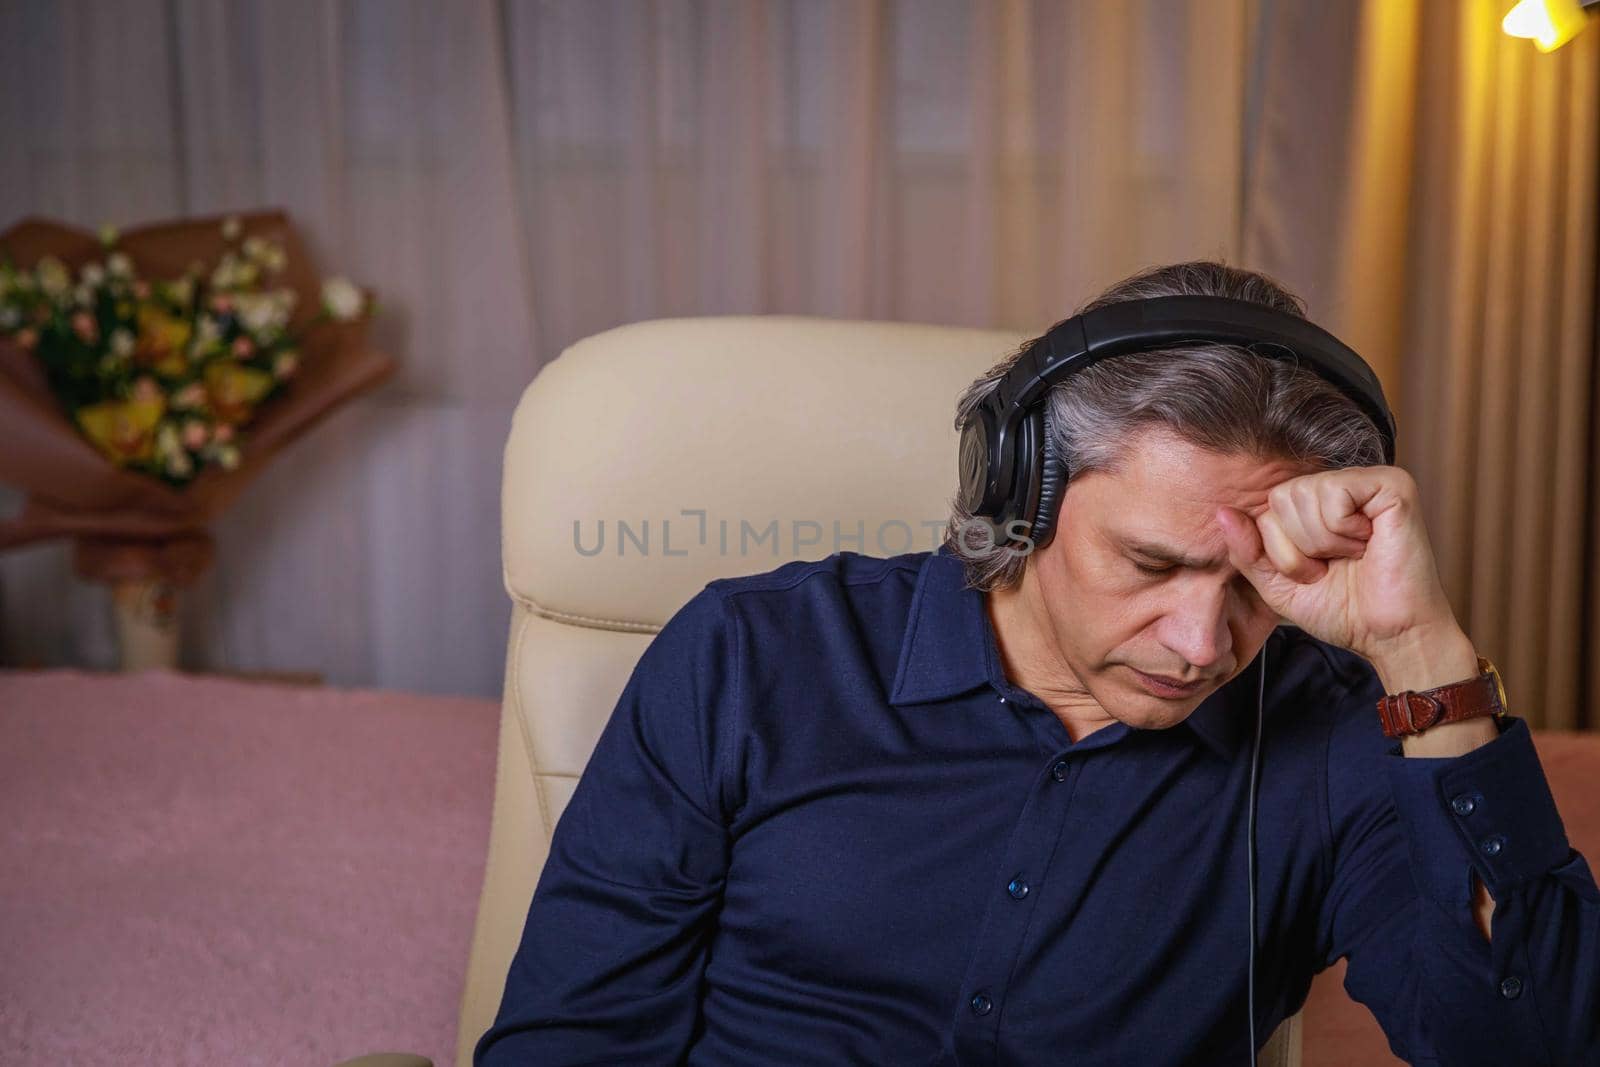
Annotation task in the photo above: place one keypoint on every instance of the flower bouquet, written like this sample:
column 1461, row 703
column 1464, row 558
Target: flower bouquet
column 146, row 378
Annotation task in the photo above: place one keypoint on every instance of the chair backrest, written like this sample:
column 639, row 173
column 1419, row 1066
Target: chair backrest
column 646, row 461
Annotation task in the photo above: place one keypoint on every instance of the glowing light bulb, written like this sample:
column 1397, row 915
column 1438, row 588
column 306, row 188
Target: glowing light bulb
column 1548, row 23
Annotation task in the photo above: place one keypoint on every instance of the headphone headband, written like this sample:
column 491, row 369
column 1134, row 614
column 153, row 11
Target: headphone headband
column 1169, row 321
column 1003, row 475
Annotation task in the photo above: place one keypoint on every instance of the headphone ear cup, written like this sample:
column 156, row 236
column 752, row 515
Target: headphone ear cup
column 1052, row 485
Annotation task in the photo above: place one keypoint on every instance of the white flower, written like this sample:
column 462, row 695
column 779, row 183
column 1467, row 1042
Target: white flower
column 108, row 235
column 167, row 439
column 207, row 330
column 92, row 274
column 83, row 295
column 228, row 456
column 119, row 265
column 261, row 313
column 9, row 317
column 226, row 272
column 122, row 342
column 233, row 272
column 179, row 465
column 342, row 299
column 53, row 276
column 230, row 227
column 182, row 290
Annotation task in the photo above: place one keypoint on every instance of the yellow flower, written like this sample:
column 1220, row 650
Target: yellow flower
column 162, row 340
column 124, row 430
column 234, row 390
column 54, row 278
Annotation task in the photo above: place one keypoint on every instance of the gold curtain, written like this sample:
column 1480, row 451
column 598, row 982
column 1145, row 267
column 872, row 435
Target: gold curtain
column 1440, row 209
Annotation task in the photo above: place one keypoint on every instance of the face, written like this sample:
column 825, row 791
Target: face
column 1137, row 579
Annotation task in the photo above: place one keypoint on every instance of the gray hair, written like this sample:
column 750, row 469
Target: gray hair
column 1220, row 397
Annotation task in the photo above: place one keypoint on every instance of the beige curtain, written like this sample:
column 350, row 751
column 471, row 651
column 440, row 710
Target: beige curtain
column 1451, row 240
column 514, row 176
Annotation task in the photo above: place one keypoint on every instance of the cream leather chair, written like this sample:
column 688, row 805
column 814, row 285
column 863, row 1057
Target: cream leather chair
column 662, row 425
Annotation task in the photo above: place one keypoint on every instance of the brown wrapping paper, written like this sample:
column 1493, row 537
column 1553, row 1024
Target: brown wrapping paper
column 127, row 526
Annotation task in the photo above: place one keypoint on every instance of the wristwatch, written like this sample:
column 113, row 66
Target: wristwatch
column 1406, row 712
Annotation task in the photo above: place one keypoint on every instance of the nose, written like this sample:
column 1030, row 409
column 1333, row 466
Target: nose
column 1197, row 627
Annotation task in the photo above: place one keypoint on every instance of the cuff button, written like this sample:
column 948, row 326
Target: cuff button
column 1491, row 846
column 1511, row 988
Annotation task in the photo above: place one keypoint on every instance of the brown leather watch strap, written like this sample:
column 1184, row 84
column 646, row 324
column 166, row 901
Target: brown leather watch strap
column 1408, row 712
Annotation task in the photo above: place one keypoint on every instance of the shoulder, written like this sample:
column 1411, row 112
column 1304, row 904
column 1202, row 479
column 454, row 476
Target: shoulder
column 791, row 606
column 1326, row 694
column 1334, row 693
column 842, row 570
column 1315, row 671
column 807, row 597
column 744, row 650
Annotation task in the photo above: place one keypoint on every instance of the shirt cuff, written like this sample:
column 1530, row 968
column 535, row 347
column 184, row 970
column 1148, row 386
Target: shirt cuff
column 1488, row 810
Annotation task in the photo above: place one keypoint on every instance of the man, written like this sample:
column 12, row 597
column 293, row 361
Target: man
column 987, row 806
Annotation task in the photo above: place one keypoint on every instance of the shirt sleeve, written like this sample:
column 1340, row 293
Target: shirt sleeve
column 1409, row 839
column 610, row 963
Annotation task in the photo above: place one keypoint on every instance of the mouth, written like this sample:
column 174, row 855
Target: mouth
column 1165, row 687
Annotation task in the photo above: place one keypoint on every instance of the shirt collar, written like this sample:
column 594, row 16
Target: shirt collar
column 949, row 648
column 944, row 650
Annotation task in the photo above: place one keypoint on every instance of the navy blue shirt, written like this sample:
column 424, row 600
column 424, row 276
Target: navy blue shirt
column 822, row 827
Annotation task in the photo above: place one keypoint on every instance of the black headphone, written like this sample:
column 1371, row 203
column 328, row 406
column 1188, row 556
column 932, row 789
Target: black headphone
column 1009, row 469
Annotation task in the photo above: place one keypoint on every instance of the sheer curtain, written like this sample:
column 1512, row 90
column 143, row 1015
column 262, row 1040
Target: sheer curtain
column 513, row 177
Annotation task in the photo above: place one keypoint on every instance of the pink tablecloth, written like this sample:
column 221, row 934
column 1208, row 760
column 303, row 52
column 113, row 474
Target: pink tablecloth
column 205, row 871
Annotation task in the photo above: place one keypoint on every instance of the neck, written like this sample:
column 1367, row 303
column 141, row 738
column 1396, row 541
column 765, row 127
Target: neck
column 1032, row 660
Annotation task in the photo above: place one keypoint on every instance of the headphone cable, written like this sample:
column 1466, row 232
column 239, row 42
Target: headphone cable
column 1250, row 851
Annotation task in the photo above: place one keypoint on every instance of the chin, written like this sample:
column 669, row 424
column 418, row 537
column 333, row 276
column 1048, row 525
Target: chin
column 1147, row 712
column 1162, row 718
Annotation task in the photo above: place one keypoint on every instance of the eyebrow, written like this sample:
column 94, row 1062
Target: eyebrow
column 1151, row 550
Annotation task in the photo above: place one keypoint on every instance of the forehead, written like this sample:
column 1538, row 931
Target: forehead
column 1167, row 489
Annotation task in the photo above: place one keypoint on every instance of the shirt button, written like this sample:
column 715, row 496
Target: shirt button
column 1511, row 988
column 1463, row 804
column 1059, row 771
column 1491, row 846
column 981, row 1004
column 1018, row 888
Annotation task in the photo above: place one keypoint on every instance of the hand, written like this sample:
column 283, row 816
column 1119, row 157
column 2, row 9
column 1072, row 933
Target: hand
column 1343, row 555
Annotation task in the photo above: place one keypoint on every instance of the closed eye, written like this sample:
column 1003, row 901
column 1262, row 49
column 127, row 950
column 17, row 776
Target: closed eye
column 1142, row 569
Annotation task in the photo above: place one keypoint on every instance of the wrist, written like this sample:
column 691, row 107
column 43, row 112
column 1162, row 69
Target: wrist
column 1426, row 659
